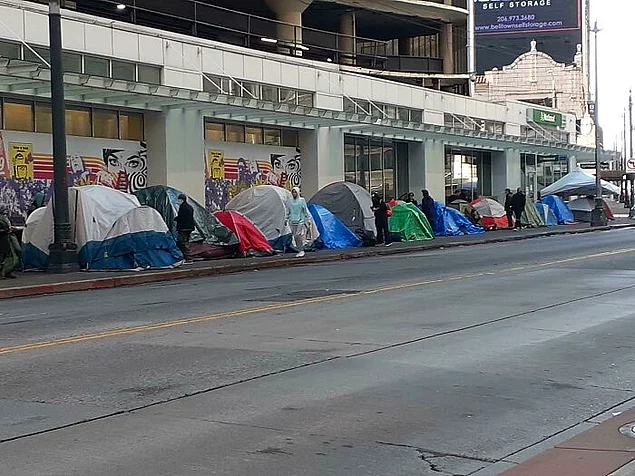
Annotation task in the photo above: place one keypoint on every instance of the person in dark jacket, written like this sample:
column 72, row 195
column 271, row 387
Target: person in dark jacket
column 427, row 207
column 508, row 207
column 518, row 205
column 380, row 208
column 184, row 226
column 5, row 246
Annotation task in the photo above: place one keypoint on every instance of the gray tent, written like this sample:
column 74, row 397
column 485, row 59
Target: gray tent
column 349, row 202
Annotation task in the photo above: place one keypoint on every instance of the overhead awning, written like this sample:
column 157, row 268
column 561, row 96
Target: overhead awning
column 30, row 79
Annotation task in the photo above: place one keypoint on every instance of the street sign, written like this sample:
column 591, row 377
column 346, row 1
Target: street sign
column 630, row 166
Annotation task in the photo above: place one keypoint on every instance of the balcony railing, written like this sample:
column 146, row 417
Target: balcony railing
column 221, row 24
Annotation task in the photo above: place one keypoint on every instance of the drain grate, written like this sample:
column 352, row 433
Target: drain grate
column 310, row 294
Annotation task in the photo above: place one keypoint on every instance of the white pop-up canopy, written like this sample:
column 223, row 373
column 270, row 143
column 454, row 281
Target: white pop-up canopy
column 578, row 182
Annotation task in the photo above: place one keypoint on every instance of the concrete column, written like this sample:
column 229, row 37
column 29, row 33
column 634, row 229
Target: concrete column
column 404, row 47
column 446, row 39
column 322, row 158
column 289, row 12
column 434, row 166
column 176, row 151
column 505, row 172
column 348, row 33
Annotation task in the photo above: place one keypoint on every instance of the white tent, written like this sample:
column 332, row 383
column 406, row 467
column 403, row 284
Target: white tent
column 578, row 182
column 266, row 207
column 109, row 227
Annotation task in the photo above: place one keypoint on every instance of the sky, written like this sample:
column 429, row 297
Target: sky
column 616, row 68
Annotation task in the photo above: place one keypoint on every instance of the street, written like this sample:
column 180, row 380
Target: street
column 458, row 361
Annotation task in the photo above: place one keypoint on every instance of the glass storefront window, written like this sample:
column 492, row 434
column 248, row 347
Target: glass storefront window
column 149, row 74
column 234, row 133
column 290, row 138
column 31, row 56
column 78, row 122
column 72, row 62
column 18, row 116
column 94, row 66
column 123, row 70
column 350, row 160
column 215, row 131
column 43, row 118
column 389, row 170
column 105, row 124
column 273, row 137
column 253, row 135
column 376, row 167
column 131, row 126
column 363, row 164
column 468, row 170
column 10, row 50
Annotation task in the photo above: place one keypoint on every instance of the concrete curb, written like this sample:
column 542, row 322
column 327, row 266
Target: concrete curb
column 252, row 264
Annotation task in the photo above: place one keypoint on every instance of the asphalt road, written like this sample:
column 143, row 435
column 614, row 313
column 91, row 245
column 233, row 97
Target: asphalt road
column 460, row 361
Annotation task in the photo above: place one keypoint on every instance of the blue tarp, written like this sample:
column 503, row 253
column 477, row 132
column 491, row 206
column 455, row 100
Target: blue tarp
column 145, row 249
column 451, row 222
column 546, row 213
column 333, row 233
column 560, row 209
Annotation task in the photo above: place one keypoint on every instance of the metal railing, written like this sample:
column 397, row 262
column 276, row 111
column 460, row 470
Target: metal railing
column 200, row 19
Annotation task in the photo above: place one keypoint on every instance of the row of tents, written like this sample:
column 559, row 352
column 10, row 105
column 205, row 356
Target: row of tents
column 115, row 230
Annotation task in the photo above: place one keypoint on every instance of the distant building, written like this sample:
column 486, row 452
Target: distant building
column 536, row 78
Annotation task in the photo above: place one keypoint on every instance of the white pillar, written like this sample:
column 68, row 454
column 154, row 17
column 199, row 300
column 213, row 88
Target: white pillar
column 322, row 158
column 176, row 151
column 506, row 172
column 434, row 153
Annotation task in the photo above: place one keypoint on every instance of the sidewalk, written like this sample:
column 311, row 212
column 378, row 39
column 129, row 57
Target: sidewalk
column 603, row 450
column 33, row 284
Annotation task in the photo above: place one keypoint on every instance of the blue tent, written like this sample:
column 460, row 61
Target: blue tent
column 333, row 233
column 546, row 213
column 451, row 222
column 560, row 209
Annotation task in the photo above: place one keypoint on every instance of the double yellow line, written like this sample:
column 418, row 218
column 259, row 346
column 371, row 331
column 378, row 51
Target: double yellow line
column 278, row 307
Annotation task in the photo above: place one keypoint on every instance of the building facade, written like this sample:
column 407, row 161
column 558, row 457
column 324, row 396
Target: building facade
column 150, row 105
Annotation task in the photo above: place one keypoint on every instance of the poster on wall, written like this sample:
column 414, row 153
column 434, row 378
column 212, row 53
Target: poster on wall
column 21, row 161
column 26, row 168
column 5, row 167
column 231, row 169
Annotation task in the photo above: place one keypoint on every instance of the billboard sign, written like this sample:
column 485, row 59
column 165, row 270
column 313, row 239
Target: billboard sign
column 499, row 17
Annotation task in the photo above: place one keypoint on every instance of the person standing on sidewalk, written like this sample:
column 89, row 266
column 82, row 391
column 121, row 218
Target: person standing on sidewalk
column 298, row 217
column 508, row 207
column 518, row 205
column 185, row 225
column 381, row 211
column 6, row 267
column 427, row 207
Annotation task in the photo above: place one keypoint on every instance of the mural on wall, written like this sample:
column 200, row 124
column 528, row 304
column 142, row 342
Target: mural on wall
column 229, row 172
column 26, row 171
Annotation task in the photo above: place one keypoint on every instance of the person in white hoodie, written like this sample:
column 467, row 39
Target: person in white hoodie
column 298, row 217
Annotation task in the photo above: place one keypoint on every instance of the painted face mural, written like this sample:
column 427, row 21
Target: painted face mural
column 286, row 170
column 128, row 168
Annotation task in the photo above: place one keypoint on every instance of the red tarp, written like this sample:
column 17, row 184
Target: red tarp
column 251, row 240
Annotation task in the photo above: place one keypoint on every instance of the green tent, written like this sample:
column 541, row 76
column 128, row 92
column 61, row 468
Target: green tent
column 410, row 223
column 530, row 216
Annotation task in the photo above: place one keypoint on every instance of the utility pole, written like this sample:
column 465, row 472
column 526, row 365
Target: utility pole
column 598, row 217
column 630, row 178
column 63, row 252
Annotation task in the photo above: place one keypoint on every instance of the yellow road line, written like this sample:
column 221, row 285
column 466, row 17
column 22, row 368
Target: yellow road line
column 290, row 305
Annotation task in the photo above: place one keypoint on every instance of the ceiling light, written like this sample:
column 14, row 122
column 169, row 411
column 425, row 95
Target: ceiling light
column 121, row 6
column 268, row 40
